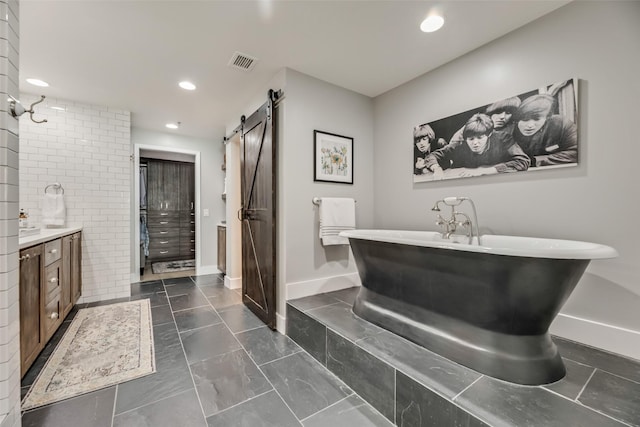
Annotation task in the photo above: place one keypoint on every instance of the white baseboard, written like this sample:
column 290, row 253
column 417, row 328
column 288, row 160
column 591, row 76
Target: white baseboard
column 281, row 324
column 321, row 285
column 610, row 338
column 207, row 269
column 232, row 282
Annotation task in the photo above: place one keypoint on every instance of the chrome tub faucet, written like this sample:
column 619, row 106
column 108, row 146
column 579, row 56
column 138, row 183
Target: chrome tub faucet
column 457, row 219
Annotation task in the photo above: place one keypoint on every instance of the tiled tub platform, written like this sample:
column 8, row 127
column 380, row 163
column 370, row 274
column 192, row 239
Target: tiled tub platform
column 412, row 386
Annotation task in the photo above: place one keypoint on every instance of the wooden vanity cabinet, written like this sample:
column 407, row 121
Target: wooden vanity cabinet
column 50, row 284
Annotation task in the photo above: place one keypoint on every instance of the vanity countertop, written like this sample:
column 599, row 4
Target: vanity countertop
column 45, row 235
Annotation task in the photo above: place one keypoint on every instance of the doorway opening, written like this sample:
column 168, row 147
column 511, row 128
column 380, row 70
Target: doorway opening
column 166, row 213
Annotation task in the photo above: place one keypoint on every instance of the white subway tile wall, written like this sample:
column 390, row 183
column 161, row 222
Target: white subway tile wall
column 86, row 148
column 9, row 165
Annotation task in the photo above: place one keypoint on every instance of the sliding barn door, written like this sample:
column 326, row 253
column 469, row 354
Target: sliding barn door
column 258, row 214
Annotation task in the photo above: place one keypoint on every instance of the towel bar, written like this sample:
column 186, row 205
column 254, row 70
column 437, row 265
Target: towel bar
column 317, row 200
column 56, row 186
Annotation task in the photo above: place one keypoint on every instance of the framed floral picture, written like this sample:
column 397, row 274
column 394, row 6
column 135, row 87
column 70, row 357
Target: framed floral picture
column 333, row 158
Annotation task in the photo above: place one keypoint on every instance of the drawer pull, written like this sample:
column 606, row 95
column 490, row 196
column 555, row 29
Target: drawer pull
column 164, row 214
column 164, row 242
column 193, row 231
column 164, row 252
column 53, row 251
column 193, row 214
column 54, row 315
column 193, row 250
column 163, row 232
column 53, row 280
column 25, row 257
column 193, row 222
column 164, row 222
column 193, row 240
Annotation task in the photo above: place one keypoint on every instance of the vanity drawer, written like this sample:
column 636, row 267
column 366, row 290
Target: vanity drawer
column 163, row 253
column 51, row 319
column 52, row 251
column 52, row 281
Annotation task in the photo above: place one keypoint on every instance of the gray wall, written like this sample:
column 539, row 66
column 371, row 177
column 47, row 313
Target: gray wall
column 597, row 42
column 211, row 181
column 313, row 104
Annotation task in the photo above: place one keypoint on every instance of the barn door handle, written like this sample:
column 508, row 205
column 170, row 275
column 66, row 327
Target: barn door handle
column 240, row 214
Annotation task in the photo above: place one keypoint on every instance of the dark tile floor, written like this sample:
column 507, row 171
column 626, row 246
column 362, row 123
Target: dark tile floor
column 217, row 365
column 412, row 386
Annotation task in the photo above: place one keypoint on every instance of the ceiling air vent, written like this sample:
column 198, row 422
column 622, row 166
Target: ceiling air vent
column 242, row 61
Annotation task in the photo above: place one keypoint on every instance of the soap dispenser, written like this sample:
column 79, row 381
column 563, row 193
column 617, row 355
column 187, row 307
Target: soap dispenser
column 23, row 219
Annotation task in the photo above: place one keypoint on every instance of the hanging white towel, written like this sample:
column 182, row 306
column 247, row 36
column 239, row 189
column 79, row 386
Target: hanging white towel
column 53, row 210
column 336, row 215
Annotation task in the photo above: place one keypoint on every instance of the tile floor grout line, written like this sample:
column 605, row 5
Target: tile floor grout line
column 240, row 403
column 463, row 390
column 265, row 376
column 248, row 330
column 605, row 415
column 193, row 381
column 115, row 399
column 283, row 357
column 324, row 409
column 152, row 402
column 586, row 384
column 196, row 329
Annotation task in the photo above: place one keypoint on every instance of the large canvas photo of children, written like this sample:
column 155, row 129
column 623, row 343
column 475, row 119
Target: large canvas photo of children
column 534, row 130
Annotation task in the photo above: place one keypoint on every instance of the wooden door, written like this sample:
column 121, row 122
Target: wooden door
column 258, row 214
column 31, row 306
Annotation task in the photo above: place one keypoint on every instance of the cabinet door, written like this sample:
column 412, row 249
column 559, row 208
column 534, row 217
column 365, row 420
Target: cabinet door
column 66, row 300
column 187, row 187
column 76, row 267
column 31, row 306
column 171, row 186
column 155, row 192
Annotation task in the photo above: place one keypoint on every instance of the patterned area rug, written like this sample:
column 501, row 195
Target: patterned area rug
column 103, row 346
column 165, row 267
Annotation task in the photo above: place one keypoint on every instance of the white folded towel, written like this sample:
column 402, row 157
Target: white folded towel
column 53, row 210
column 336, row 215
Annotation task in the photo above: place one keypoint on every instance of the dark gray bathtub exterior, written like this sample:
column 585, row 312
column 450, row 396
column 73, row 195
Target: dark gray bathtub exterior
column 485, row 311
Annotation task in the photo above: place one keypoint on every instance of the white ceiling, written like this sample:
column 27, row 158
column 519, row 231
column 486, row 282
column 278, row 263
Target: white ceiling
column 132, row 54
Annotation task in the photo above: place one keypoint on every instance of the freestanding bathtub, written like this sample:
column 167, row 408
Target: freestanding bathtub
column 487, row 307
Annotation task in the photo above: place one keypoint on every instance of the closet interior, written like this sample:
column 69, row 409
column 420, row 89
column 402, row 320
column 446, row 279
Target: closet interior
column 167, row 211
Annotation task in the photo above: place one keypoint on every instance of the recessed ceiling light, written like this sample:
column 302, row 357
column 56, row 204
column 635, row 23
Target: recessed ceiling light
column 172, row 126
column 432, row 23
column 37, row 82
column 187, row 85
